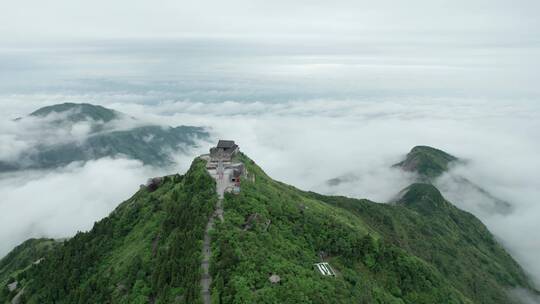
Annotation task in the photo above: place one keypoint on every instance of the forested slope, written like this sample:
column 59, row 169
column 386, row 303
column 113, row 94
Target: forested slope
column 147, row 249
column 420, row 249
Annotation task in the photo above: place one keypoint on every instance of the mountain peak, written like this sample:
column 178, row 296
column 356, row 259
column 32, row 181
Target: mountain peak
column 71, row 132
column 76, row 112
column 422, row 197
column 149, row 249
column 427, row 161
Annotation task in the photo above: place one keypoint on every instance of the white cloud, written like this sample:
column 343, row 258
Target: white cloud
column 22, row 137
column 310, row 89
column 305, row 143
column 61, row 202
column 28, row 19
column 12, row 147
column 512, row 176
column 525, row 296
column 57, row 203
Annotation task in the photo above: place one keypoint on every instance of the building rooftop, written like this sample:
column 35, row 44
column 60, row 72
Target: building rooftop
column 226, row 144
column 274, row 279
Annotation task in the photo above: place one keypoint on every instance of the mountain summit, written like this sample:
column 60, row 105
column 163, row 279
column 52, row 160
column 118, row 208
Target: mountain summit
column 65, row 133
column 276, row 244
column 428, row 162
column 77, row 112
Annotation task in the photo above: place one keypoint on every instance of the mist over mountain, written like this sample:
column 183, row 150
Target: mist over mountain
column 429, row 164
column 61, row 134
column 69, row 164
column 421, row 249
column 399, row 142
column 71, row 113
column 287, row 158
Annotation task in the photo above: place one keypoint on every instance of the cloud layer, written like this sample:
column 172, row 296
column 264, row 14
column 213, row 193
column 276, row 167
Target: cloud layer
column 305, row 143
column 65, row 199
column 59, row 203
column 311, row 90
column 67, row 19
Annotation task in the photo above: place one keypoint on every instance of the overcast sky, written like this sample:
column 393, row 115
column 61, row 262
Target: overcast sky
column 373, row 78
column 219, row 50
column 478, row 21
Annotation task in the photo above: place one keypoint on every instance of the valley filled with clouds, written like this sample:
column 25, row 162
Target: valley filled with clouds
column 308, row 107
column 307, row 143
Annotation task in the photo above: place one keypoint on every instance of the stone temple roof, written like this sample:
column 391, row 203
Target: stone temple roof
column 226, row 144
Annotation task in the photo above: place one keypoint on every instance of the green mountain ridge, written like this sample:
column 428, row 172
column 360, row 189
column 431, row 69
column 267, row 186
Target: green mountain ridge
column 151, row 144
column 424, row 198
column 431, row 163
column 421, row 249
column 427, row 162
column 23, row 256
column 77, row 112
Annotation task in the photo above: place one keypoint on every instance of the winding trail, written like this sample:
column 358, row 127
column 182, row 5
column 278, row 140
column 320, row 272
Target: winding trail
column 222, row 182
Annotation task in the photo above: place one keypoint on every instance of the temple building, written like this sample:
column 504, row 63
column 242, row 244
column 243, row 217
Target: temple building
column 220, row 164
column 224, row 150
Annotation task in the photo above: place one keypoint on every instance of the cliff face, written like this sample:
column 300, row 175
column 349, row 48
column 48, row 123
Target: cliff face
column 421, row 249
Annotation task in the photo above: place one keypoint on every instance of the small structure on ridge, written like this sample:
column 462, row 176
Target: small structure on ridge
column 274, row 279
column 220, row 164
column 224, row 150
column 325, row 269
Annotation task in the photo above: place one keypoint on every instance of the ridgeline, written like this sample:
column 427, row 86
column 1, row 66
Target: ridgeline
column 420, row 249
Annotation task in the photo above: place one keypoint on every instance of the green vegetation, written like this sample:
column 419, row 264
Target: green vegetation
column 77, row 112
column 148, row 249
column 151, row 144
column 23, row 256
column 428, row 162
column 421, row 249
column 453, row 241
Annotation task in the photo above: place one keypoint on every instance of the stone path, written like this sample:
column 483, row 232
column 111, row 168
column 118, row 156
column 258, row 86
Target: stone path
column 221, row 176
column 206, row 279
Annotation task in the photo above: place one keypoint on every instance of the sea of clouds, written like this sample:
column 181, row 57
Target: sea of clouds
column 306, row 143
column 305, row 116
column 310, row 91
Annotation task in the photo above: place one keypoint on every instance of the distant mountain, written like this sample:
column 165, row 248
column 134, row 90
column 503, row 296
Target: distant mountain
column 421, row 249
column 427, row 162
column 430, row 164
column 77, row 112
column 343, row 179
column 91, row 132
